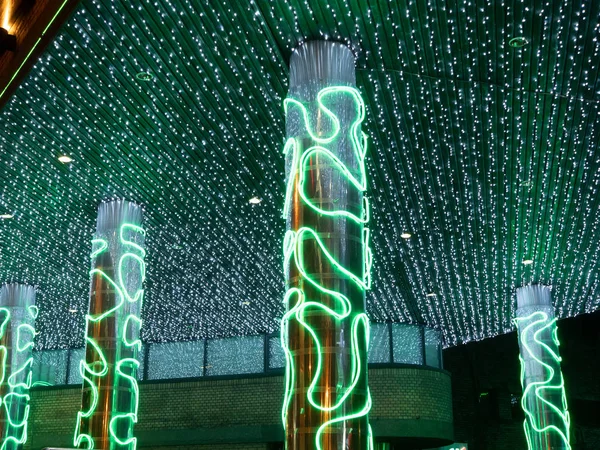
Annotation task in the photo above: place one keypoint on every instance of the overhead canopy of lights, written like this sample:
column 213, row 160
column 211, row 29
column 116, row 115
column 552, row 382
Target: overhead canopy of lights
column 483, row 169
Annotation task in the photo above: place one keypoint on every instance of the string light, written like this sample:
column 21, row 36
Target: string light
column 480, row 191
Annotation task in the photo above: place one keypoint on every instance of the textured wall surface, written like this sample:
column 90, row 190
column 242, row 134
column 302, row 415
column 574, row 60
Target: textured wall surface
column 244, row 413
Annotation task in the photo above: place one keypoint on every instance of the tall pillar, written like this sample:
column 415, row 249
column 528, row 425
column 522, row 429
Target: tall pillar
column 544, row 403
column 327, row 259
column 17, row 332
column 110, row 391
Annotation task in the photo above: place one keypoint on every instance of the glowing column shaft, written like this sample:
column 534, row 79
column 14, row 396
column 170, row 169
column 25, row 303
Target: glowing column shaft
column 17, row 332
column 110, row 392
column 327, row 259
column 544, row 403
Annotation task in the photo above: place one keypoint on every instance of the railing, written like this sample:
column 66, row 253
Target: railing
column 390, row 343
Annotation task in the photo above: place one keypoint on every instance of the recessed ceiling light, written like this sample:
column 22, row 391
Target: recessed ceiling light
column 431, row 294
column 406, row 235
column 528, row 262
column 518, row 42
column 6, row 216
column 255, row 200
column 144, row 76
column 65, row 159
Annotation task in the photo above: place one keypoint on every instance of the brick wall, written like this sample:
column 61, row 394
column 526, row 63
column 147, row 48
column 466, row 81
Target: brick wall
column 244, row 413
column 410, row 394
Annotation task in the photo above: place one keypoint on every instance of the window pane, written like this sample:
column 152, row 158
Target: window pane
column 408, row 347
column 141, row 358
column 379, row 343
column 276, row 354
column 50, row 366
column 432, row 347
column 77, row 354
column 237, row 355
column 175, row 360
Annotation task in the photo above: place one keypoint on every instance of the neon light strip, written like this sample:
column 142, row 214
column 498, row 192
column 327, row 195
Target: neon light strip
column 19, row 380
column 293, row 253
column 536, row 392
column 128, row 337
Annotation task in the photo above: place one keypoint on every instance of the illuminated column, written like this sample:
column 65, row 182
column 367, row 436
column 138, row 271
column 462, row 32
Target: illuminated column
column 327, row 260
column 544, row 403
column 110, row 391
column 17, row 321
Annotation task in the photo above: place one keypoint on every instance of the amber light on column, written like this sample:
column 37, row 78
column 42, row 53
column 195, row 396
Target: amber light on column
column 110, row 391
column 327, row 259
column 17, row 332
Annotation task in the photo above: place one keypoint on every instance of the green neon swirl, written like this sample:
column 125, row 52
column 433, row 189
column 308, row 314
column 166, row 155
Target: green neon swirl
column 103, row 246
column 4, row 351
column 5, row 320
column 33, row 311
column 19, row 380
column 136, row 342
column 131, row 253
column 28, row 342
column 25, row 369
column 289, row 191
column 298, row 306
column 539, row 321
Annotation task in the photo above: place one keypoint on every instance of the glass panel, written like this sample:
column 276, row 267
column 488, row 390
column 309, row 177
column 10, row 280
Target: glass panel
column 237, row 355
column 175, row 360
column 276, row 354
column 408, row 347
column 379, row 344
column 141, row 358
column 50, row 366
column 77, row 354
column 432, row 348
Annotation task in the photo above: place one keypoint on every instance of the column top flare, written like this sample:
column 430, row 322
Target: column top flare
column 112, row 214
column 17, row 295
column 533, row 295
column 320, row 64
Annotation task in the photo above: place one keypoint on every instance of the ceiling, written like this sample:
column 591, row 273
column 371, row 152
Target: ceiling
column 485, row 153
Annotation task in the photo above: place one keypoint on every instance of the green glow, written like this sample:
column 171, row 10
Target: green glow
column 16, row 400
column 24, row 370
column 33, row 311
column 128, row 337
column 103, row 246
column 298, row 306
column 531, row 328
column 28, row 342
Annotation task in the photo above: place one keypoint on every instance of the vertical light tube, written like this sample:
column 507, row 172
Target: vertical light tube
column 544, row 402
column 17, row 332
column 110, row 391
column 327, row 259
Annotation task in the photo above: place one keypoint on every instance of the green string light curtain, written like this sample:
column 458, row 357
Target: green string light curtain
column 17, row 332
column 544, row 401
column 327, row 260
column 110, row 391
